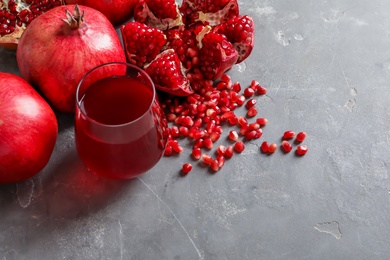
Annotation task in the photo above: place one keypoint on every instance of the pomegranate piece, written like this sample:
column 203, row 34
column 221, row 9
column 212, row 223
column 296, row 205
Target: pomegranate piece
column 162, row 14
column 196, row 153
column 286, row 146
column 262, row 121
column 142, row 42
column 16, row 15
column 240, row 31
column 167, row 74
column 186, row 168
column 212, row 12
column 216, row 56
column 301, row 150
column 300, row 136
column 207, row 159
column 214, row 165
column 252, row 112
column 233, row 135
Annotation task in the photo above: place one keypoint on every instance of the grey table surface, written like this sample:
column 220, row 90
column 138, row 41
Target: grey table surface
column 326, row 64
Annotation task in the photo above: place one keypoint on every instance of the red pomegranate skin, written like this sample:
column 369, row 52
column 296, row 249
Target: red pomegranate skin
column 117, row 11
column 54, row 57
column 28, row 130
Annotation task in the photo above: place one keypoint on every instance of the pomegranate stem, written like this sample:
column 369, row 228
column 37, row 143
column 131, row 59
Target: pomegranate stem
column 74, row 20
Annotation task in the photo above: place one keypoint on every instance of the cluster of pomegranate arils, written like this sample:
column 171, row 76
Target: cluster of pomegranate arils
column 16, row 14
column 200, row 117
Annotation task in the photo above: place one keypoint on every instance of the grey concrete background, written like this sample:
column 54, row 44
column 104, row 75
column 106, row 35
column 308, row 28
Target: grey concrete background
column 326, row 64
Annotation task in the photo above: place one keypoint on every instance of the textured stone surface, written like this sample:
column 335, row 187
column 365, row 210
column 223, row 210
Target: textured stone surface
column 326, row 65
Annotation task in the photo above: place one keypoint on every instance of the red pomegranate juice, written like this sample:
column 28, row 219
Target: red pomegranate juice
column 118, row 127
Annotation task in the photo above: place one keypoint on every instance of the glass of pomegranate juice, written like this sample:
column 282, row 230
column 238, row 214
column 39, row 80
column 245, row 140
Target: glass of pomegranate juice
column 120, row 128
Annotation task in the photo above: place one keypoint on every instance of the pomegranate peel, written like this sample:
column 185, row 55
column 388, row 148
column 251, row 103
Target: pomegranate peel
column 160, row 14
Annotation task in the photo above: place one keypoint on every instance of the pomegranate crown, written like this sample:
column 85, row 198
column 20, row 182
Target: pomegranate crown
column 76, row 19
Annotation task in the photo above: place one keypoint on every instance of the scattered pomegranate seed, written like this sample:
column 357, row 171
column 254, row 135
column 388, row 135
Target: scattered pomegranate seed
column 221, row 150
column 264, row 147
column 206, row 159
column 288, row 134
column 249, row 92
column 168, row 150
column 272, row 148
column 301, row 136
column 196, row 153
column 250, row 135
column 187, row 167
column 301, row 150
column 233, row 135
column 221, row 160
column 252, row 112
column 239, row 147
column 183, row 130
column 229, row 152
column 214, row 165
column 286, row 146
column 254, row 126
column 208, row 143
column 262, row 121
column 261, row 90
column 242, row 121
column 250, row 103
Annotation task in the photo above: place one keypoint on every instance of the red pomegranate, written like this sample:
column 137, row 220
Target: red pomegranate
column 55, row 53
column 117, row 11
column 28, row 130
column 15, row 15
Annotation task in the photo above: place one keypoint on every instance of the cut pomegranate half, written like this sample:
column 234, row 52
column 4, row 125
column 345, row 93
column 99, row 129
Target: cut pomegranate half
column 16, row 15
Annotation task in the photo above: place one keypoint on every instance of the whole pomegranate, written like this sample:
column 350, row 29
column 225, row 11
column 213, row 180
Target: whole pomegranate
column 117, row 11
column 59, row 47
column 15, row 15
column 28, row 130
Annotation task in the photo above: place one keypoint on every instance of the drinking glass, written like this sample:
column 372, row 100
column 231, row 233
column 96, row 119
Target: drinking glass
column 120, row 129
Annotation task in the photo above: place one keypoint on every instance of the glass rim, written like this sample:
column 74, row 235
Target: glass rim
column 140, row 70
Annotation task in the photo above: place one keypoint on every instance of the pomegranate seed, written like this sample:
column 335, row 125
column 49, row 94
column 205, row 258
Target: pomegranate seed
column 233, row 135
column 254, row 126
column 187, row 121
column 288, row 134
column 229, row 152
column 286, row 146
column 239, row 147
column 206, row 159
column 236, row 87
column 186, row 168
column 254, row 84
column 214, row 136
column 199, row 143
column 183, row 130
column 272, row 148
column 168, row 150
column 301, row 150
column 242, row 121
column 259, row 133
column 264, row 147
column 214, row 165
column 221, row 160
column 262, row 121
column 250, row 135
column 171, row 117
column 175, row 131
column 301, row 136
column 252, row 112
column 261, row 90
column 233, row 120
column 249, row 92
column 244, row 130
column 240, row 101
column 221, row 149
column 196, row 153
column 250, row 103
column 208, row 143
